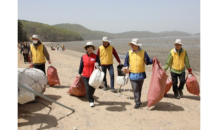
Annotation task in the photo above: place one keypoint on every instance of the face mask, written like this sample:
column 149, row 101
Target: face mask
column 35, row 41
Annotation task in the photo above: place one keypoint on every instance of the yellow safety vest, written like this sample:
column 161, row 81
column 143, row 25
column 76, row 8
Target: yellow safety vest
column 37, row 54
column 178, row 62
column 106, row 55
column 136, row 61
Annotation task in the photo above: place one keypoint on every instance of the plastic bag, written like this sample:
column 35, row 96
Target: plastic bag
column 192, row 84
column 96, row 77
column 169, row 84
column 78, row 87
column 122, row 80
column 157, row 84
column 119, row 70
column 25, row 96
column 52, row 76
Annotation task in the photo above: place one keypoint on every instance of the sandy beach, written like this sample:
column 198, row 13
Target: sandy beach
column 112, row 111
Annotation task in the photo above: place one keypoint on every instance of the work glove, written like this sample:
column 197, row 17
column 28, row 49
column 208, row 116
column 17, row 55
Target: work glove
column 120, row 63
column 190, row 70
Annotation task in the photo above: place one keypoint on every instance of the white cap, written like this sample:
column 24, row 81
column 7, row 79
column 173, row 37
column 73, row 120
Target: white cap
column 34, row 36
column 89, row 44
column 178, row 41
column 105, row 39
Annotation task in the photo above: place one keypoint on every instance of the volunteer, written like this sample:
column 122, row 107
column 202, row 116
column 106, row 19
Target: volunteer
column 38, row 53
column 25, row 50
column 105, row 53
column 51, row 47
column 86, row 68
column 58, row 47
column 177, row 61
column 62, row 46
column 135, row 62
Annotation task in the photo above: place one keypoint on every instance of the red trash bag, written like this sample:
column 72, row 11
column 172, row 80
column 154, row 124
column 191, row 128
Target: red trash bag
column 78, row 87
column 157, row 84
column 31, row 65
column 192, row 84
column 52, row 76
column 169, row 83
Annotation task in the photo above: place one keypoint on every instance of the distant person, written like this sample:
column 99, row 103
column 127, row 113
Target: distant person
column 177, row 60
column 38, row 53
column 58, row 47
column 135, row 62
column 105, row 53
column 86, row 68
column 51, row 47
column 25, row 50
column 62, row 46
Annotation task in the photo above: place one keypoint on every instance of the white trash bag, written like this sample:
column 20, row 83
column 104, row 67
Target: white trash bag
column 122, row 80
column 25, row 96
column 96, row 77
column 35, row 78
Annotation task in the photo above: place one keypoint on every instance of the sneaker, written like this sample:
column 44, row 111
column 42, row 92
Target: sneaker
column 113, row 90
column 180, row 93
column 105, row 88
column 137, row 106
column 91, row 104
column 177, row 96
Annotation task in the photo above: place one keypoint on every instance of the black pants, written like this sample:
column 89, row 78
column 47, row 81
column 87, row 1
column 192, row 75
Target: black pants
column 41, row 67
column 137, row 90
column 175, row 81
column 25, row 57
column 89, row 89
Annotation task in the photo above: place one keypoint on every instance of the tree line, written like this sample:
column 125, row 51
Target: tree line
column 45, row 32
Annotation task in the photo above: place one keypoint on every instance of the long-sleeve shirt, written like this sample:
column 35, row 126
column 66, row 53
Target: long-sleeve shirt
column 138, row 76
column 45, row 52
column 25, row 50
column 170, row 60
column 114, row 53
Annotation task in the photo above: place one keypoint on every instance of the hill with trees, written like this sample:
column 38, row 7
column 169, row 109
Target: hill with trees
column 49, row 33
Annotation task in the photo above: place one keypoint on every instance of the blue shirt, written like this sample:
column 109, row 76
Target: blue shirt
column 137, row 76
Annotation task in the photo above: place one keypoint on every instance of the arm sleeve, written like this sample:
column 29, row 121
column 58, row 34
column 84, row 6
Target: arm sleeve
column 168, row 62
column 126, row 62
column 46, row 53
column 147, row 59
column 98, row 60
column 81, row 66
column 115, row 55
column 98, row 51
column 187, row 65
column 21, row 49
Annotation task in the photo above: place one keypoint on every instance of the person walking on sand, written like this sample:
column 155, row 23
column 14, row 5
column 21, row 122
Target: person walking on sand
column 58, row 47
column 62, row 46
column 38, row 53
column 51, row 47
column 25, row 49
column 86, row 68
column 135, row 62
column 177, row 60
column 105, row 53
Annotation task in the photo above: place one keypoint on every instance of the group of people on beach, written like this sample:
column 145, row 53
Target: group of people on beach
column 62, row 46
column 134, row 65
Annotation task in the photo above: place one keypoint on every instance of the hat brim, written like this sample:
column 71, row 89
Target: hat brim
column 84, row 47
column 178, row 43
column 106, row 41
column 139, row 44
column 32, row 38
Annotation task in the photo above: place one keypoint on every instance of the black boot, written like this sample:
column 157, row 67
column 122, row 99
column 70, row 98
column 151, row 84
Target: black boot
column 176, row 95
column 180, row 93
column 137, row 106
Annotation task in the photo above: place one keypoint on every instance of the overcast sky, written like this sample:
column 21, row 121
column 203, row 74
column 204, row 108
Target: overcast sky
column 116, row 16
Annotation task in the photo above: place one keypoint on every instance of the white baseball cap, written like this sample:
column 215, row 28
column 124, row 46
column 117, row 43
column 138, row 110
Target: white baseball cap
column 135, row 41
column 178, row 41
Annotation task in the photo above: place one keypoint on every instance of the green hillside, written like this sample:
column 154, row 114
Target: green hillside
column 49, row 33
column 96, row 35
column 84, row 32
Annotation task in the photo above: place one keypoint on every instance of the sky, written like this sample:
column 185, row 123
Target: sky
column 116, row 16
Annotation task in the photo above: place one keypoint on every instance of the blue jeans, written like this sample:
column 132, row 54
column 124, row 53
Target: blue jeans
column 111, row 71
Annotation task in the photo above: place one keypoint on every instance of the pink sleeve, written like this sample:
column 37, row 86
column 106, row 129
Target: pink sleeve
column 115, row 55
